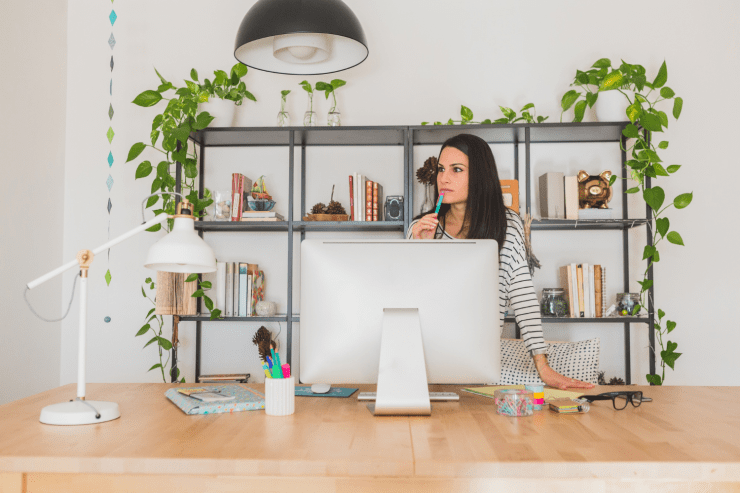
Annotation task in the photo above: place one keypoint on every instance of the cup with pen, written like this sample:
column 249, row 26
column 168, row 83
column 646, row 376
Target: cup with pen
column 279, row 383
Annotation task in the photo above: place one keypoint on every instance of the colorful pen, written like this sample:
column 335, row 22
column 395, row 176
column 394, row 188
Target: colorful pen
column 276, row 373
column 286, row 370
column 267, row 370
column 439, row 203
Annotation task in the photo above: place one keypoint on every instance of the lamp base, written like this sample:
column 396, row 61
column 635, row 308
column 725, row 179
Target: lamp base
column 78, row 412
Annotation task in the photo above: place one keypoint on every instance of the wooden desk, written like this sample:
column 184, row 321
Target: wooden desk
column 687, row 439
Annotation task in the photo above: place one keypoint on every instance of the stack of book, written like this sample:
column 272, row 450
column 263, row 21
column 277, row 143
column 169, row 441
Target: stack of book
column 224, row 377
column 585, row 285
column 238, row 289
column 261, row 216
column 365, row 199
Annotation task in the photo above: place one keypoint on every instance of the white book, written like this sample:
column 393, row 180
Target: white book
column 586, row 292
column 221, row 287
column 603, row 291
column 592, row 280
column 574, row 279
column 229, row 290
column 250, row 283
column 571, row 197
column 235, row 292
column 356, row 193
column 243, row 290
column 362, row 197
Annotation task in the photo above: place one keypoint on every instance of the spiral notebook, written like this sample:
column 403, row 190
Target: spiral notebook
column 245, row 399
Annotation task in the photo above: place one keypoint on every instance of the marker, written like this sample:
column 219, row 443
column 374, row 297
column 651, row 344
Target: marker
column 439, row 203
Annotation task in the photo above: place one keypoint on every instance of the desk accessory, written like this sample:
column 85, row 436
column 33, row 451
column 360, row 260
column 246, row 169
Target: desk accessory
column 182, row 250
column 393, row 208
column 569, row 406
column 305, row 391
column 550, row 394
column 245, row 399
column 320, row 388
column 514, row 402
column 279, row 396
column 538, row 395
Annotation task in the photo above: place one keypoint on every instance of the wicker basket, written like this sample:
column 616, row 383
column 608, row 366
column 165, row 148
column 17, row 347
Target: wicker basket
column 326, row 217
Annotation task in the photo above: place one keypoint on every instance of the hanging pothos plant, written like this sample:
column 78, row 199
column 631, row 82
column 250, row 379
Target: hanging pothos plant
column 169, row 135
column 645, row 119
column 510, row 116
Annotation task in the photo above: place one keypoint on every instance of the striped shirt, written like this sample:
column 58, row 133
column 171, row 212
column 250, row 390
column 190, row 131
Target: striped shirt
column 515, row 282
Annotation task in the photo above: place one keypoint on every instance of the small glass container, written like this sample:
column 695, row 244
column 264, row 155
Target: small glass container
column 220, row 210
column 334, row 119
column 514, row 402
column 554, row 303
column 283, row 119
column 309, row 118
column 538, row 395
column 626, row 303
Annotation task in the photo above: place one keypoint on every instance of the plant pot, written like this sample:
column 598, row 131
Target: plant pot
column 611, row 106
column 241, row 115
column 221, row 109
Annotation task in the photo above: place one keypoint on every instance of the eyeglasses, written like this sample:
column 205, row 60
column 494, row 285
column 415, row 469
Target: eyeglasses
column 619, row 399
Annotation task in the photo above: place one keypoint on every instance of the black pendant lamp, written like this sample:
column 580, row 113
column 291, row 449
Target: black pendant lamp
column 303, row 37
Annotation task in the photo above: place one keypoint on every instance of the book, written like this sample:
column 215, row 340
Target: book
column 245, row 399
column 603, row 291
column 552, row 196
column 246, row 192
column 258, row 289
column 221, row 287
column 206, row 395
column 597, row 291
column 351, row 199
column 567, row 285
column 235, row 292
column 250, row 287
column 586, row 292
column 565, row 406
column 237, row 194
column 574, row 280
column 243, row 289
column 229, row 290
column 579, row 275
column 361, row 203
column 377, row 202
column 247, row 215
column 570, row 185
column 510, row 190
column 368, row 200
column 267, row 219
column 236, row 377
column 592, row 286
column 594, row 214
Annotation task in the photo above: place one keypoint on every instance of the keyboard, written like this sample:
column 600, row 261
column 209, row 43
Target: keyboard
column 433, row 396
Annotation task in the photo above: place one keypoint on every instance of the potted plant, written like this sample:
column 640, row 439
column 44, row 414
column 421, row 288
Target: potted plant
column 334, row 117
column 283, row 118
column 646, row 121
column 510, row 116
column 224, row 94
column 309, row 118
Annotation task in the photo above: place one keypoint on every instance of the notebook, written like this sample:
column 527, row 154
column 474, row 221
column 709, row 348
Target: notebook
column 245, row 399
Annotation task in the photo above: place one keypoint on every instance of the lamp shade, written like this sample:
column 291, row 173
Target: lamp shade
column 182, row 250
column 305, row 37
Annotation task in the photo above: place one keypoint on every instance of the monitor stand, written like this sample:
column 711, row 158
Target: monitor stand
column 402, row 374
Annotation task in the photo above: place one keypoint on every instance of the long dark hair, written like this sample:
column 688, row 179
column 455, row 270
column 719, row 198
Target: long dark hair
column 485, row 213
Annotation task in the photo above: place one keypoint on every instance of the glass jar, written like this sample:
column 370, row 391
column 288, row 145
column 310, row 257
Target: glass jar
column 334, row 119
column 513, row 402
column 554, row 303
column 309, row 118
column 283, row 119
column 626, row 304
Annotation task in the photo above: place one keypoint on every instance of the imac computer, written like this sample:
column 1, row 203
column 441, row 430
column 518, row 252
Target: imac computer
column 401, row 314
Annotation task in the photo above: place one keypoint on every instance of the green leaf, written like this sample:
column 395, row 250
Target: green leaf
column 221, row 77
column 569, row 98
column 153, row 339
column 487, row 121
column 683, row 200
column 150, row 202
column 675, row 238
column 198, row 293
column 641, row 98
column 636, row 309
column 612, row 180
column 322, row 86
column 284, row 92
column 208, row 302
column 602, row 63
column 663, row 224
column 654, row 197
column 144, row 169
column 660, row 170
column 206, row 285
column 166, row 345
column 306, row 86
column 147, row 98
column 653, row 379
column 157, row 122
column 158, row 365
column 663, row 118
column 581, row 77
column 677, row 107
column 667, row 93
column 651, row 122
column 163, row 169
column 661, row 314
column 165, row 87
column 663, row 145
column 191, row 278
column 239, row 69
column 591, row 98
column 634, row 111
column 194, row 74
column 154, row 229
column 669, row 356
column 673, row 168
column 670, row 325
column 337, row 83
column 425, row 123
column 541, row 119
column 135, row 150
column 250, row 96
column 191, row 170
column 215, row 314
column 466, row 113
column 614, row 80
column 527, row 106
column 143, row 330
column 662, row 77
column 650, row 172
column 160, row 76
column 631, row 131
column 580, row 109
column 648, row 252
column 645, row 284
column 154, row 136
column 632, row 190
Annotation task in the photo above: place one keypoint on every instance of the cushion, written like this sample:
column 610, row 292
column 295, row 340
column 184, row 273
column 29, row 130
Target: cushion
column 579, row 360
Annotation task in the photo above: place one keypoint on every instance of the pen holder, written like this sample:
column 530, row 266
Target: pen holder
column 279, row 396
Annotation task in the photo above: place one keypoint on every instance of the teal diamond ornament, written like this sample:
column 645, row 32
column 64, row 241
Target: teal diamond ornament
column 110, row 108
column 111, row 41
column 109, row 182
column 112, row 17
column 110, row 159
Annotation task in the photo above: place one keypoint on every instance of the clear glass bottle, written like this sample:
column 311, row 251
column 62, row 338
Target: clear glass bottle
column 334, row 118
column 283, row 117
column 309, row 119
column 554, row 303
column 626, row 304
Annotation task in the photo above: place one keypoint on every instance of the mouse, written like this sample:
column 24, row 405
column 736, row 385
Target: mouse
column 320, row 388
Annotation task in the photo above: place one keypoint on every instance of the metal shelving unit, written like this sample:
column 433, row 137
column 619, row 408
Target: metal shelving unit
column 408, row 137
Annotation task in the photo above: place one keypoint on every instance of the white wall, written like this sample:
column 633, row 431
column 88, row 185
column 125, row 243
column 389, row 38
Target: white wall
column 33, row 57
column 426, row 58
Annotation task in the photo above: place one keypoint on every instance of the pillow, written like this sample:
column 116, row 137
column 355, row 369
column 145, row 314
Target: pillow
column 579, row 360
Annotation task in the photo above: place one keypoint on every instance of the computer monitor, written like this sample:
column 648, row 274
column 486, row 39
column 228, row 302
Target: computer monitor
column 399, row 313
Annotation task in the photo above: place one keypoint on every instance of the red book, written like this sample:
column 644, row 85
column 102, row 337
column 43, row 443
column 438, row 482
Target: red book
column 237, row 194
column 351, row 199
column 368, row 200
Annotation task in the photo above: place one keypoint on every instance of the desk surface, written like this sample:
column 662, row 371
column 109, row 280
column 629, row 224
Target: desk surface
column 685, row 433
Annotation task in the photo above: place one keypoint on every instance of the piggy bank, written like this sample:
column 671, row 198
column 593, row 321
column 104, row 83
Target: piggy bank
column 594, row 191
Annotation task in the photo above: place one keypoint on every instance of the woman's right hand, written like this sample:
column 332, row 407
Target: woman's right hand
column 425, row 228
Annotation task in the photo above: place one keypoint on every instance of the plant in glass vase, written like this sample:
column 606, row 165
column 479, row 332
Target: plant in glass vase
column 309, row 118
column 283, row 118
column 329, row 88
column 643, row 164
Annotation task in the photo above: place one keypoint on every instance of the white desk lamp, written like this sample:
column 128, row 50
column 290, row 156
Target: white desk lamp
column 182, row 250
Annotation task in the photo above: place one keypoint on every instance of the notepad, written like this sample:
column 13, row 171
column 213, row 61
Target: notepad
column 550, row 394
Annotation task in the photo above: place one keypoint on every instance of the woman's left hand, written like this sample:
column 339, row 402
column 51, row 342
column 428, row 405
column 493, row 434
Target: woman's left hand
column 558, row 381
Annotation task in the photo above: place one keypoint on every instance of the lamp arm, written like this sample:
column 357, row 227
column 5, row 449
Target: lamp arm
column 75, row 263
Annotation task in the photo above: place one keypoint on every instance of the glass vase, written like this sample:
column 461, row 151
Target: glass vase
column 334, row 119
column 428, row 203
column 283, row 119
column 309, row 119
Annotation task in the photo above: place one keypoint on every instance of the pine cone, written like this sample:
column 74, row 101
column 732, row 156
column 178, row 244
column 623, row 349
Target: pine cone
column 319, row 208
column 426, row 173
column 601, row 380
column 335, row 208
column 263, row 339
column 616, row 381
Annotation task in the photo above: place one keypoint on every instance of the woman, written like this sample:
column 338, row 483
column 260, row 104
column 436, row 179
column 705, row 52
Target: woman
column 473, row 207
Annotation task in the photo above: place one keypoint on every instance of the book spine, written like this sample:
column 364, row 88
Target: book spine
column 243, row 290
column 566, row 285
column 592, row 285
column 597, row 290
column 579, row 275
column 586, row 293
column 603, row 291
column 221, row 287
column 236, row 196
column 574, row 291
column 368, row 200
column 235, row 288
column 375, row 201
column 571, row 197
column 250, row 295
column 360, row 202
column 228, row 292
column 351, row 199
column 552, row 201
